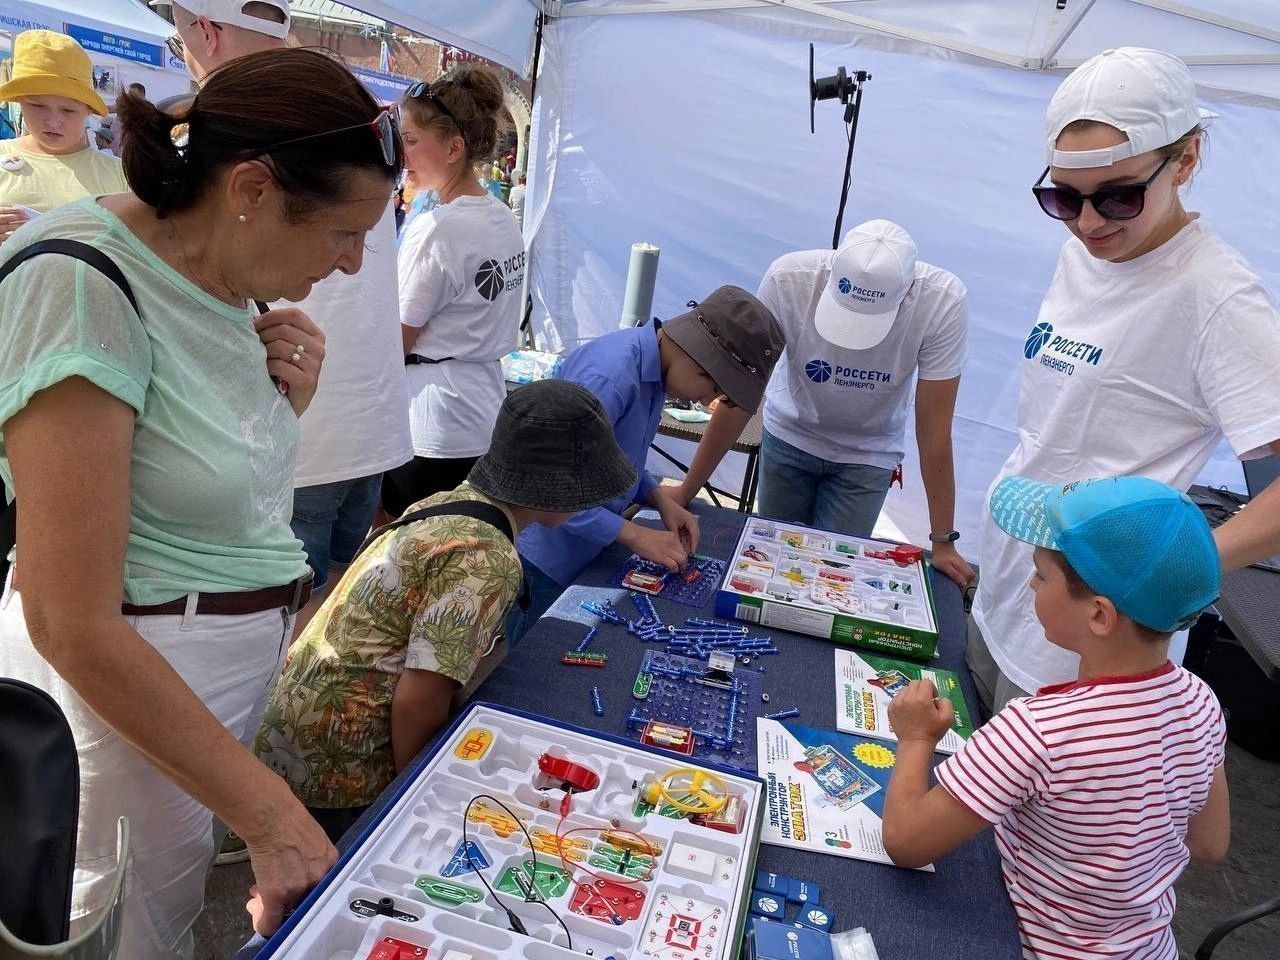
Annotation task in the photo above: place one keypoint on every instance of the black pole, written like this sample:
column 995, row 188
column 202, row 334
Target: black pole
column 855, row 108
column 525, row 326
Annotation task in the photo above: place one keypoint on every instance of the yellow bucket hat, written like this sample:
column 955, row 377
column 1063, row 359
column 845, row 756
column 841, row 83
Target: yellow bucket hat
column 52, row 65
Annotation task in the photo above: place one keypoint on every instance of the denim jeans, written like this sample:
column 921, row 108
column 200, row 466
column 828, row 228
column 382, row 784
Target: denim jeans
column 332, row 520
column 543, row 592
column 798, row 487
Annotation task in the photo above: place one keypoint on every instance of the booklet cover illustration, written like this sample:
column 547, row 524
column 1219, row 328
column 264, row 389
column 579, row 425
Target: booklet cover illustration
column 825, row 790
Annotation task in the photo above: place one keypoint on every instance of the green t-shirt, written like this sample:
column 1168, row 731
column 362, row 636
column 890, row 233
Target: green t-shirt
column 213, row 443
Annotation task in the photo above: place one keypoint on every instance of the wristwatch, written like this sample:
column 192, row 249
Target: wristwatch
column 951, row 536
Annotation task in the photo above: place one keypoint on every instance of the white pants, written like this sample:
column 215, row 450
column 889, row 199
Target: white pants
column 230, row 663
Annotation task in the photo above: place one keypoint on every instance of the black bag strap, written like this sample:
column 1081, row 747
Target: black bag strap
column 105, row 266
column 475, row 509
column 78, row 251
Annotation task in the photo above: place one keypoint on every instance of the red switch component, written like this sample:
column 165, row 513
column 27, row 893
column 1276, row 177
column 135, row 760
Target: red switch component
column 572, row 774
column 389, row 948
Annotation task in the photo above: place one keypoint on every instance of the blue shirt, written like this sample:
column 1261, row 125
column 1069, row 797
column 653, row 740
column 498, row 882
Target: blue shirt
column 623, row 370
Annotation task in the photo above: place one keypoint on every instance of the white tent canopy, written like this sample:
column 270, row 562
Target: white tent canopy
column 499, row 30
column 122, row 33
column 684, row 123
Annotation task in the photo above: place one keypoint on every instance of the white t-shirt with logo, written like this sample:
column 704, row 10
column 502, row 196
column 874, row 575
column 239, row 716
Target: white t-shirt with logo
column 1134, row 368
column 461, row 277
column 357, row 424
column 850, row 406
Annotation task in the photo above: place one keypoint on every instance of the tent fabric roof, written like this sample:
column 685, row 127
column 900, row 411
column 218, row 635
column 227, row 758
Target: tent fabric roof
column 123, row 17
column 329, row 10
column 1233, row 46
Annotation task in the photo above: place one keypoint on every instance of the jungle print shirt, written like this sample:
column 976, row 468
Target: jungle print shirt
column 431, row 596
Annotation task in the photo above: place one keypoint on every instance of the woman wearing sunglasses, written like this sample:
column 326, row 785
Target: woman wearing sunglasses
column 152, row 457
column 461, row 276
column 1155, row 340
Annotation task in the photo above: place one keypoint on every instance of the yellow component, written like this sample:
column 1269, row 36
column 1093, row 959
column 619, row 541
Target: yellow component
column 496, row 820
column 569, row 848
column 474, row 745
column 874, row 755
column 795, row 576
column 688, row 790
column 636, row 844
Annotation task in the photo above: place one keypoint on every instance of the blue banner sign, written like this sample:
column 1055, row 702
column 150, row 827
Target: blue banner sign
column 126, row 48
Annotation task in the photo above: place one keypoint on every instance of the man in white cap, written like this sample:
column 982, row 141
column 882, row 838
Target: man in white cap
column 864, row 325
column 357, row 426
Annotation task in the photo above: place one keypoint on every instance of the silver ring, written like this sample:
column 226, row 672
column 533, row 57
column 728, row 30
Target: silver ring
column 295, row 358
column 301, row 348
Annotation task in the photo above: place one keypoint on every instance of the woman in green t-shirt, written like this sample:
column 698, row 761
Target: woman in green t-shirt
column 152, row 455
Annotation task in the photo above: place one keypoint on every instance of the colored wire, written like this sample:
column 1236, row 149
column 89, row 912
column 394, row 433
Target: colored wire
column 531, row 897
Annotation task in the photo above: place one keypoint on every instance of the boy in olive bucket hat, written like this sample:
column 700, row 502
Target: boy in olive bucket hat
column 371, row 678
column 725, row 347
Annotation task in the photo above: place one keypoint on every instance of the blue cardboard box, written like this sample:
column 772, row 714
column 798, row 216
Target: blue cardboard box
column 782, row 940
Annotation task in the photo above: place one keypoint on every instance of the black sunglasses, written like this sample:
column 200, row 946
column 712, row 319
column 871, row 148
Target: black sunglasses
column 384, row 127
column 1121, row 202
column 422, row 91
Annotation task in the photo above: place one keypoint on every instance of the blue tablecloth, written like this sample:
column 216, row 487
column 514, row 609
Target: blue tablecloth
column 960, row 912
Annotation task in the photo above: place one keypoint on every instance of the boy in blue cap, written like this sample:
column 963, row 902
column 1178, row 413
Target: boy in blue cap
column 1102, row 789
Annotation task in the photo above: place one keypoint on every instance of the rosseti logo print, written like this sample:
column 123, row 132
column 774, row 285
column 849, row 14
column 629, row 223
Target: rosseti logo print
column 819, row 371
column 489, row 279
column 1036, row 339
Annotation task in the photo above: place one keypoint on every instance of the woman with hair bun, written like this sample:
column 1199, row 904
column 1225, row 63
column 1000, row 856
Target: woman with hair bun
column 461, row 276
column 156, row 577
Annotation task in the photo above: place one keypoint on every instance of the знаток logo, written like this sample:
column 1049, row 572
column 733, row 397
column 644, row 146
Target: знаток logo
column 1036, row 339
column 819, row 371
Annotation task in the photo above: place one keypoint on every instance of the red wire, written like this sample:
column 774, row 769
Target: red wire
column 571, row 865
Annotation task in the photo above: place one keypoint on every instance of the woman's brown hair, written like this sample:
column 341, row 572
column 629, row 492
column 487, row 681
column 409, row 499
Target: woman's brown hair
column 472, row 98
column 301, row 111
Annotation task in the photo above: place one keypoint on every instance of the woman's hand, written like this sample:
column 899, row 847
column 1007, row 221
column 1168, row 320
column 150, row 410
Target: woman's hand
column 11, row 218
column 295, row 352
column 289, row 857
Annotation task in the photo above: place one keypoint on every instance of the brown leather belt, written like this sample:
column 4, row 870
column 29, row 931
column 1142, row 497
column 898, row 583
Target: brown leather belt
column 292, row 596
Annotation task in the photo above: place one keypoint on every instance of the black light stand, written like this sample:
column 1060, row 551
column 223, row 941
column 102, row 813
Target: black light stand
column 847, row 88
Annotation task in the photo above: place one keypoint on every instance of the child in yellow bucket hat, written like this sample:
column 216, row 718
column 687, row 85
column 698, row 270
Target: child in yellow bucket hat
column 53, row 162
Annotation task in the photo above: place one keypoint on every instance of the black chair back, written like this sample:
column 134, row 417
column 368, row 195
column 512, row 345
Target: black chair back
column 39, row 804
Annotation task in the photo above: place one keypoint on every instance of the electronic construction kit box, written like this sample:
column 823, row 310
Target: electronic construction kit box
column 866, row 593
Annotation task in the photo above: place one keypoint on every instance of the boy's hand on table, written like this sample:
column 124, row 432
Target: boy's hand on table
column 660, row 546
column 916, row 714
column 677, row 519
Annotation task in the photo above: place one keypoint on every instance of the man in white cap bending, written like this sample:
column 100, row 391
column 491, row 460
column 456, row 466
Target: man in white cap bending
column 864, row 325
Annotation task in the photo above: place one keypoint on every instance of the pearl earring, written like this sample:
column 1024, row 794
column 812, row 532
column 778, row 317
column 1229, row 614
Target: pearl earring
column 242, row 218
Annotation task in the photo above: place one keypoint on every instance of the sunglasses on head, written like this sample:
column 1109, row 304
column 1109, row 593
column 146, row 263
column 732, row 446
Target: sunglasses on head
column 384, row 127
column 1121, row 202
column 423, row 91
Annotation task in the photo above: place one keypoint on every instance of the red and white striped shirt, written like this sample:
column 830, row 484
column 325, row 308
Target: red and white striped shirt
column 1090, row 786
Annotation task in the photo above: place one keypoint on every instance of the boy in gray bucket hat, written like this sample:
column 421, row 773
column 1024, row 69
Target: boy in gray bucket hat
column 371, row 678
column 726, row 347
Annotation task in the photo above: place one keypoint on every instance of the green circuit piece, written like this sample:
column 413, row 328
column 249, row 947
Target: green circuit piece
column 643, row 682
column 446, row 892
column 625, row 863
column 550, row 881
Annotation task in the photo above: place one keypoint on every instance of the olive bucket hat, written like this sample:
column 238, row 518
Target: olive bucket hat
column 553, row 449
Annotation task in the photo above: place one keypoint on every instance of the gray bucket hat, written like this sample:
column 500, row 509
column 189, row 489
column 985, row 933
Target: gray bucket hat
column 553, row 449
column 735, row 338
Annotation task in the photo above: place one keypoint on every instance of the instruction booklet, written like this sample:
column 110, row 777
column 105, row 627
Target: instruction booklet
column 866, row 684
column 824, row 791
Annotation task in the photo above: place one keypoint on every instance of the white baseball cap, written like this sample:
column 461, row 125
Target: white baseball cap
column 1147, row 95
column 870, row 276
column 232, row 12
